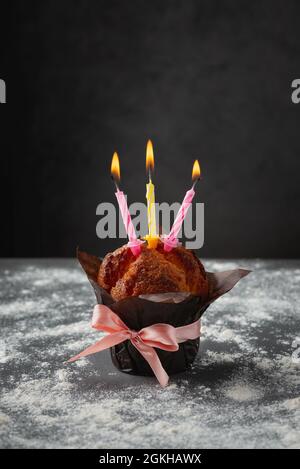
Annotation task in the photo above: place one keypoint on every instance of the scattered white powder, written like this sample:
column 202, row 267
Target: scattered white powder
column 292, row 404
column 220, row 357
column 227, row 334
column 4, row 419
column 242, row 391
column 23, row 308
column 291, row 439
column 221, row 265
column 48, row 276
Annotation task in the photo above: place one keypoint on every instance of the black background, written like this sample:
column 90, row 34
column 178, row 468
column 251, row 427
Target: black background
column 203, row 79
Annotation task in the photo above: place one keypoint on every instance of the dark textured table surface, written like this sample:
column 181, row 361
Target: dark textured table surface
column 243, row 390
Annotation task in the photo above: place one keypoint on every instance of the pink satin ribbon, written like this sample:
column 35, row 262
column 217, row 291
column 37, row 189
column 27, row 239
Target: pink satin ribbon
column 163, row 336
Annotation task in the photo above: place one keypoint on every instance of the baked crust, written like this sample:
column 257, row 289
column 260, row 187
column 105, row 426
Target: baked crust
column 153, row 271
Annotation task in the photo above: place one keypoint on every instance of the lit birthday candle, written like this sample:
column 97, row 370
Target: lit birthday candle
column 171, row 240
column 152, row 237
column 134, row 243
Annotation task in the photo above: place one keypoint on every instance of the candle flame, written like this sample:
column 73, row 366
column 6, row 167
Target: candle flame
column 115, row 167
column 149, row 156
column 196, row 170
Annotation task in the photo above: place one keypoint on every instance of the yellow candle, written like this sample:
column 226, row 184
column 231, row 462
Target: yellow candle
column 152, row 237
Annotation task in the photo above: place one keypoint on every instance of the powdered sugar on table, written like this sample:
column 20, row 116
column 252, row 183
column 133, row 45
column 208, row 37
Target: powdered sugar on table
column 243, row 390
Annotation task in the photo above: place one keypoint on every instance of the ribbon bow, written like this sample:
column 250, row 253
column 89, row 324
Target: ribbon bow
column 163, row 336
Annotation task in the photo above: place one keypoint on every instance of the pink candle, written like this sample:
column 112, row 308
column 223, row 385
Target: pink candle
column 171, row 240
column 134, row 243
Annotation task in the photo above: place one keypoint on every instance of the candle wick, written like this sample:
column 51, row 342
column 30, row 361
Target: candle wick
column 115, row 183
column 195, row 182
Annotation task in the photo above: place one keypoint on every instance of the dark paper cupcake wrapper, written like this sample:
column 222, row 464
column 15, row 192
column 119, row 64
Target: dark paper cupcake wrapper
column 138, row 312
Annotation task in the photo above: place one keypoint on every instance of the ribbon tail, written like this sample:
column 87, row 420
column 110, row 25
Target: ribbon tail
column 153, row 360
column 102, row 344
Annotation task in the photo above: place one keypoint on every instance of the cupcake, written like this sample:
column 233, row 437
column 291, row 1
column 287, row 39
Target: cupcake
column 146, row 290
column 123, row 275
